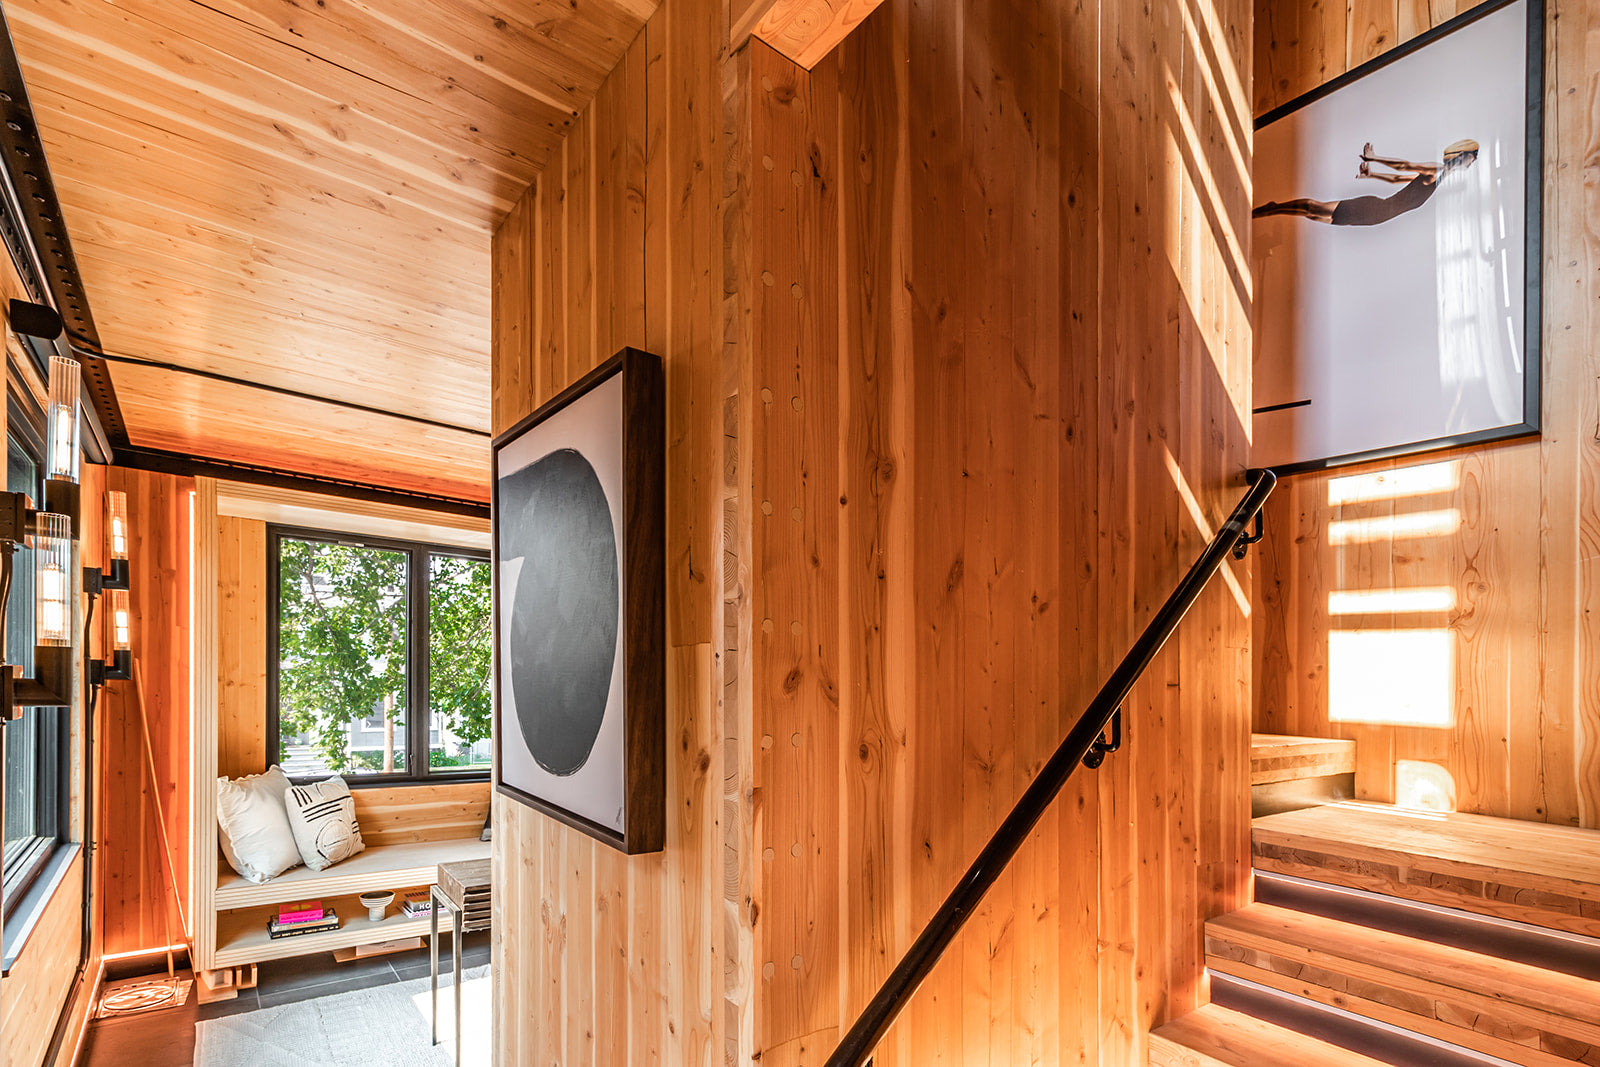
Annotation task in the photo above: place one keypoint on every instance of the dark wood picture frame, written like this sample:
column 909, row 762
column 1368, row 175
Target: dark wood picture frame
column 1533, row 253
column 642, row 635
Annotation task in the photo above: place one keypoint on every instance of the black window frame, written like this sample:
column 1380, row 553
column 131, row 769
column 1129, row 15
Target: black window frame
column 52, row 733
column 418, row 665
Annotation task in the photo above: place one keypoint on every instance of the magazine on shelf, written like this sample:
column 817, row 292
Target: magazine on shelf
column 276, row 929
column 301, row 912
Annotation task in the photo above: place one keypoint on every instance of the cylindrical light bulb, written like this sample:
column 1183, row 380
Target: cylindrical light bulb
column 52, row 554
column 121, row 624
column 62, row 420
column 117, row 507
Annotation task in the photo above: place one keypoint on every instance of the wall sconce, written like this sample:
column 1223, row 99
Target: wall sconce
column 116, row 573
column 115, row 581
column 51, row 684
column 119, row 668
column 52, row 531
column 61, row 427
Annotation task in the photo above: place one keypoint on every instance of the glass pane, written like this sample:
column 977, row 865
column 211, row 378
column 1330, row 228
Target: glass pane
column 22, row 781
column 341, row 659
column 458, row 663
column 22, row 476
column 22, row 741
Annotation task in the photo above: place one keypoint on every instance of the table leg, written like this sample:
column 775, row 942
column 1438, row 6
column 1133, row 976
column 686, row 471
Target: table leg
column 433, row 956
column 455, row 962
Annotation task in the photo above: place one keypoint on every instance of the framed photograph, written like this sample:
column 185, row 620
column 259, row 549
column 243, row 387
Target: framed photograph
column 579, row 523
column 1396, row 249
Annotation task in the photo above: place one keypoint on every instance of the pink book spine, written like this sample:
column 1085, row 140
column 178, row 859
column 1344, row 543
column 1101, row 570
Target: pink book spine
column 299, row 916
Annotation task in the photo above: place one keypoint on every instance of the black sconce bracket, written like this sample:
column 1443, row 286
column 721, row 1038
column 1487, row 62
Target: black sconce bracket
column 119, row 668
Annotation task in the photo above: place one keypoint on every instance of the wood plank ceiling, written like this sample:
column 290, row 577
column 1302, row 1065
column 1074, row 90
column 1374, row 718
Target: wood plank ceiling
column 299, row 194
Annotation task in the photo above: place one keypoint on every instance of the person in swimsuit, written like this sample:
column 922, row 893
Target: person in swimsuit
column 1419, row 181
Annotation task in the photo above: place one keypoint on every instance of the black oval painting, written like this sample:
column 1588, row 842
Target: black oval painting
column 564, row 616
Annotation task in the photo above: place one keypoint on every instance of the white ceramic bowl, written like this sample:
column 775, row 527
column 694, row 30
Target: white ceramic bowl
column 376, row 903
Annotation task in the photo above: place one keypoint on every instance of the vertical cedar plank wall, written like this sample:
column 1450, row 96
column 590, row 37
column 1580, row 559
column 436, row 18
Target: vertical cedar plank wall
column 1000, row 358
column 1524, row 734
column 988, row 341
column 602, row 958
column 242, row 653
column 133, row 883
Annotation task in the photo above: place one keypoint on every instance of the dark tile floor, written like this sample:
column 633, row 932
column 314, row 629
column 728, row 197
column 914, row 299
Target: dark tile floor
column 166, row 1038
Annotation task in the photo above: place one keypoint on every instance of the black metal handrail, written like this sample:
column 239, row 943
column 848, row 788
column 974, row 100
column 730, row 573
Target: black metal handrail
column 1083, row 740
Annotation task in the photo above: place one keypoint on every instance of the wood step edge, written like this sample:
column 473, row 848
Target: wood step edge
column 1461, row 1035
column 1214, row 1036
column 1276, row 759
column 1531, row 855
column 1371, row 955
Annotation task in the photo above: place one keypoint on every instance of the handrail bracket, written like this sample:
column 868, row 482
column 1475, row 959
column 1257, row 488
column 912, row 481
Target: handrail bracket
column 1241, row 547
column 1102, row 748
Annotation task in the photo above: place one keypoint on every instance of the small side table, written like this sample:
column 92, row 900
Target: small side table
column 463, row 890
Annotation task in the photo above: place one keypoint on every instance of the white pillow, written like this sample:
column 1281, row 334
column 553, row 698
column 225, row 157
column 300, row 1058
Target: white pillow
column 254, row 827
column 323, row 818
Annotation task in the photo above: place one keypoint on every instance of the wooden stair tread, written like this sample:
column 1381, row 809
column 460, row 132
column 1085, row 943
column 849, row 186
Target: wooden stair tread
column 1531, row 855
column 1214, row 1036
column 1284, row 757
column 1298, row 934
column 1514, row 1010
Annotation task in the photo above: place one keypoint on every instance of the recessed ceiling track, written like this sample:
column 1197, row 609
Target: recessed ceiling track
column 153, row 459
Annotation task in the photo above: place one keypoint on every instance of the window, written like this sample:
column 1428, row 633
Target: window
column 33, row 752
column 379, row 655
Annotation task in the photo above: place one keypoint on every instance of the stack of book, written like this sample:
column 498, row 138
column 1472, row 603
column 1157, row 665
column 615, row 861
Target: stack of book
column 305, row 917
column 418, row 905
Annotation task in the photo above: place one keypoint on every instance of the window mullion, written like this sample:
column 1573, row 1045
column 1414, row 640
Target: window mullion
column 417, row 669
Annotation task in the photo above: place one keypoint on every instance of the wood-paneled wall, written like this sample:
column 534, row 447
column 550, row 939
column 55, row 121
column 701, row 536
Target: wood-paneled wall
column 241, row 646
column 1507, row 530
column 1001, row 359
column 37, row 989
column 136, row 898
column 599, row 957
column 983, row 395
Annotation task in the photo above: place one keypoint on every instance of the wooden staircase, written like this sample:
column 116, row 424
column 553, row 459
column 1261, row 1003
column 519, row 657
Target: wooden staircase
column 1386, row 936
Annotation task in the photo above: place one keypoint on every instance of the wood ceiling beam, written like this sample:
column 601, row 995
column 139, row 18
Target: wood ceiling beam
column 802, row 30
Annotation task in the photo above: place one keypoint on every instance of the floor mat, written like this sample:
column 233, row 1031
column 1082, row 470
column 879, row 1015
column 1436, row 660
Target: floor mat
column 386, row 1026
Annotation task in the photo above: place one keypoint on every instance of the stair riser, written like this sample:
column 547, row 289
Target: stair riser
column 1361, row 1038
column 1519, row 1033
column 1272, row 798
column 1555, row 910
column 1537, row 946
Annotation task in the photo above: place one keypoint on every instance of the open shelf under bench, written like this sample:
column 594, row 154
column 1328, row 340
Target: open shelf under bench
column 242, row 934
column 379, row 867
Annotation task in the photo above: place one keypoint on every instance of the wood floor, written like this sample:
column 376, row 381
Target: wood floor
column 166, row 1038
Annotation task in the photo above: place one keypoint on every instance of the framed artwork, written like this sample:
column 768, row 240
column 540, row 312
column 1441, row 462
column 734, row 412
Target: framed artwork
column 579, row 519
column 1396, row 249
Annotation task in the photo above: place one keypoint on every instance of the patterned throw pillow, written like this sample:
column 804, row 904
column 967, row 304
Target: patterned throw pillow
column 323, row 817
